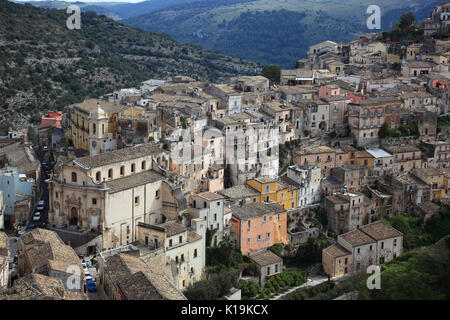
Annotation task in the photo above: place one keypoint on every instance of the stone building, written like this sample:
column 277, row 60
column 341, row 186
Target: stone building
column 336, row 260
column 42, row 251
column 110, row 193
column 406, row 158
column 372, row 244
column 268, row 264
column 174, row 250
column 366, row 117
column 345, row 211
column 124, row 276
column 40, row 287
column 435, row 154
column 209, row 207
column 91, row 125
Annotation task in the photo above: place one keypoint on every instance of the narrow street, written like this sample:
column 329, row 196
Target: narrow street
column 311, row 282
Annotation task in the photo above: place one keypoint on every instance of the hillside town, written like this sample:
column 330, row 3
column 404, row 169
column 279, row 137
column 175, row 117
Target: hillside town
column 143, row 192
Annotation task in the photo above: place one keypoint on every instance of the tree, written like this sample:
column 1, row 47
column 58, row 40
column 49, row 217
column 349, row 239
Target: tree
column 226, row 248
column 217, row 286
column 272, row 72
column 384, row 131
column 407, row 20
column 415, row 275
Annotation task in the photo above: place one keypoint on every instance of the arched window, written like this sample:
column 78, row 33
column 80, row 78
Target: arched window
column 74, row 177
column 143, row 165
column 98, row 176
column 103, row 128
column 133, row 167
column 110, row 173
column 94, row 128
column 122, row 170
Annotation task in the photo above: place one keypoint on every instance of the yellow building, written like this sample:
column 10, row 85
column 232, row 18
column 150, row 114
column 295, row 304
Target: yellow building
column 365, row 159
column 93, row 123
column 435, row 178
column 273, row 190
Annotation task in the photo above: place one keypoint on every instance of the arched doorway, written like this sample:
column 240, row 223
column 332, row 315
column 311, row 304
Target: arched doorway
column 323, row 125
column 74, row 217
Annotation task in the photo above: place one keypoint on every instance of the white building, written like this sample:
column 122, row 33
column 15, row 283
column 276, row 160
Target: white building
column 383, row 161
column 309, row 179
column 372, row 244
column 15, row 187
column 209, row 207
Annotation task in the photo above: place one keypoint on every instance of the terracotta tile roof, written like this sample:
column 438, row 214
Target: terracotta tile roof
column 209, row 196
column 170, row 228
column 356, row 238
column 137, row 281
column 429, row 207
column 45, row 248
column 336, row 251
column 90, row 105
column 401, row 149
column 39, row 287
column 315, row 150
column 133, row 180
column 256, row 209
column 238, row 192
column 335, row 199
column 265, row 258
column 380, row 231
column 119, row 155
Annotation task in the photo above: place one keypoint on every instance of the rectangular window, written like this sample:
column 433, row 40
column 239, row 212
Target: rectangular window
column 248, row 224
column 94, row 201
column 136, row 200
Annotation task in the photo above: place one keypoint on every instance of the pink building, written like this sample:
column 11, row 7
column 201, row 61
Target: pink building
column 329, row 90
column 356, row 97
column 51, row 119
column 338, row 111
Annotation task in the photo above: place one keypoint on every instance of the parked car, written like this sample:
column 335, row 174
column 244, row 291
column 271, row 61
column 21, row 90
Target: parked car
column 45, row 148
column 19, row 234
column 91, row 286
column 40, row 208
column 41, row 203
column 37, row 216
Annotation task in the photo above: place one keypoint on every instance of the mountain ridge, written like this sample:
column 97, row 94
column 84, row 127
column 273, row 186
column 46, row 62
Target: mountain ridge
column 44, row 65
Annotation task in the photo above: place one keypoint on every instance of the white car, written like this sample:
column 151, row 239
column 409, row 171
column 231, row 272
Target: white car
column 40, row 208
column 36, row 216
column 41, row 203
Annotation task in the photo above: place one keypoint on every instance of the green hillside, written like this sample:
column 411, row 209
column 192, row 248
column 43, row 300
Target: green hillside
column 43, row 64
column 272, row 31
